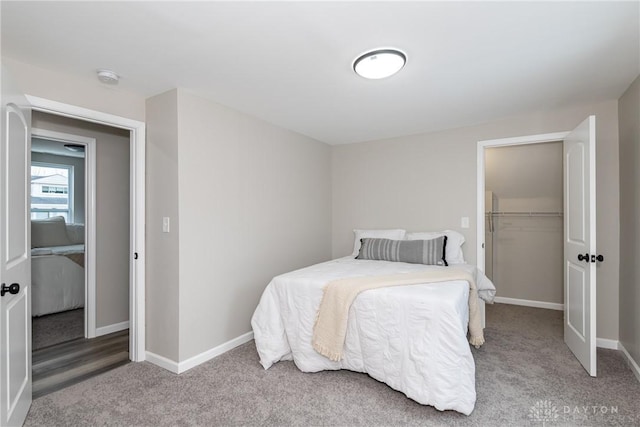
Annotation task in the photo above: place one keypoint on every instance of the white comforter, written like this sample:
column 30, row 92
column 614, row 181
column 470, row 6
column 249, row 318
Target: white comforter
column 412, row 338
column 57, row 283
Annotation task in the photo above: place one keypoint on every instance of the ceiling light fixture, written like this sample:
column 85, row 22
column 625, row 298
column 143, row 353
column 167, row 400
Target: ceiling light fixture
column 108, row 77
column 74, row 147
column 379, row 63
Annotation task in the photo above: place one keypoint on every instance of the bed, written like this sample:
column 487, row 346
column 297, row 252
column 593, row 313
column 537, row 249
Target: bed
column 57, row 266
column 413, row 338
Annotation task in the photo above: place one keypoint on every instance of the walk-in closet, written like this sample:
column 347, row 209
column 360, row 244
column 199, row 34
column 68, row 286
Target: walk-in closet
column 524, row 223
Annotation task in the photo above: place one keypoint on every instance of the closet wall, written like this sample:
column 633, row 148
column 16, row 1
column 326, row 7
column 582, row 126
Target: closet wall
column 526, row 224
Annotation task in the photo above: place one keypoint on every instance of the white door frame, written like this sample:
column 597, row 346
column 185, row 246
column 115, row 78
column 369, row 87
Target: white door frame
column 502, row 142
column 89, row 144
column 137, row 216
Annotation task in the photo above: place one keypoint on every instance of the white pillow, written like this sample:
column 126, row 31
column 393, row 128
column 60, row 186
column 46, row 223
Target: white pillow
column 49, row 232
column 394, row 234
column 453, row 252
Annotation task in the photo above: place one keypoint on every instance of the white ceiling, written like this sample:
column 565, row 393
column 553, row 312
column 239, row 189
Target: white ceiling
column 289, row 63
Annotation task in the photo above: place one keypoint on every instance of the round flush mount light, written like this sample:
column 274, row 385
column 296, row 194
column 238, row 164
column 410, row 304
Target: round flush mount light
column 108, row 77
column 379, row 63
column 74, row 147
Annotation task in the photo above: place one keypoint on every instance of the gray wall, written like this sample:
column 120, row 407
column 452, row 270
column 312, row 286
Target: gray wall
column 162, row 252
column 87, row 92
column 629, row 120
column 254, row 201
column 414, row 159
column 428, row 182
column 78, row 179
column 527, row 251
column 112, row 212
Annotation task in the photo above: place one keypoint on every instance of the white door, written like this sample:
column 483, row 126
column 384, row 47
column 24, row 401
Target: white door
column 15, row 257
column 580, row 243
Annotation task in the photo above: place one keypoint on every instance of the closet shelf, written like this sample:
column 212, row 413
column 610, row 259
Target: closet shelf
column 525, row 214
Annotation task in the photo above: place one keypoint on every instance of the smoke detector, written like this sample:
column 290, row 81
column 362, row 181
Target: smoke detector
column 108, row 77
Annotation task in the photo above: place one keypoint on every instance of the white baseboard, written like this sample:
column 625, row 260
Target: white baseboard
column 632, row 363
column 205, row 356
column 109, row 329
column 607, row 343
column 192, row 362
column 162, row 361
column 529, row 303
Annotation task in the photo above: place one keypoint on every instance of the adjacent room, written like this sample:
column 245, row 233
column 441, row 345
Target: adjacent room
column 80, row 301
column 320, row 213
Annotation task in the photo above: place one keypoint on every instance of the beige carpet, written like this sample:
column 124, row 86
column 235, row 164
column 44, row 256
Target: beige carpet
column 525, row 376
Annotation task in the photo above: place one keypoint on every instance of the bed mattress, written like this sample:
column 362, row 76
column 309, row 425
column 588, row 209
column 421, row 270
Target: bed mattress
column 413, row 338
column 57, row 278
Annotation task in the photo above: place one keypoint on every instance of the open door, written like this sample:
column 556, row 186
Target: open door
column 580, row 243
column 15, row 257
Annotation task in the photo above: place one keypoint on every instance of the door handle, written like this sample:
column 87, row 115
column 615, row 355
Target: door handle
column 584, row 257
column 598, row 258
column 13, row 289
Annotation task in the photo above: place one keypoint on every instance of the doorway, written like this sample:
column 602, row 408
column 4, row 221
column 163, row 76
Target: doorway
column 59, row 270
column 65, row 245
column 579, row 240
column 524, row 225
column 136, row 166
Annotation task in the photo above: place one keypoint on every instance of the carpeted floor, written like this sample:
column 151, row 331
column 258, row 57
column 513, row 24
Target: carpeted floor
column 56, row 328
column 522, row 370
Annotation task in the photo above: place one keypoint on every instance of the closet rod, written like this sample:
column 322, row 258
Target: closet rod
column 532, row 213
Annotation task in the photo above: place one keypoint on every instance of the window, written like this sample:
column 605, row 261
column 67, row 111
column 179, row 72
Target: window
column 55, row 189
column 51, row 188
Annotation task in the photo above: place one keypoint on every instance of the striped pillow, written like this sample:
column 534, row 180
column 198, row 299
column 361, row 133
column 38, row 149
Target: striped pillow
column 429, row 252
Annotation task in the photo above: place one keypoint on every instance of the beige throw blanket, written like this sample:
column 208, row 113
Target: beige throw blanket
column 330, row 328
column 77, row 258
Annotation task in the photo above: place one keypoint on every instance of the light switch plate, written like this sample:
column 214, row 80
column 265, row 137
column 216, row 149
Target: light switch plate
column 464, row 222
column 165, row 224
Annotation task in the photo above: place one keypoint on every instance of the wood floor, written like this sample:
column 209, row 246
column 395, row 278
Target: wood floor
column 61, row 365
